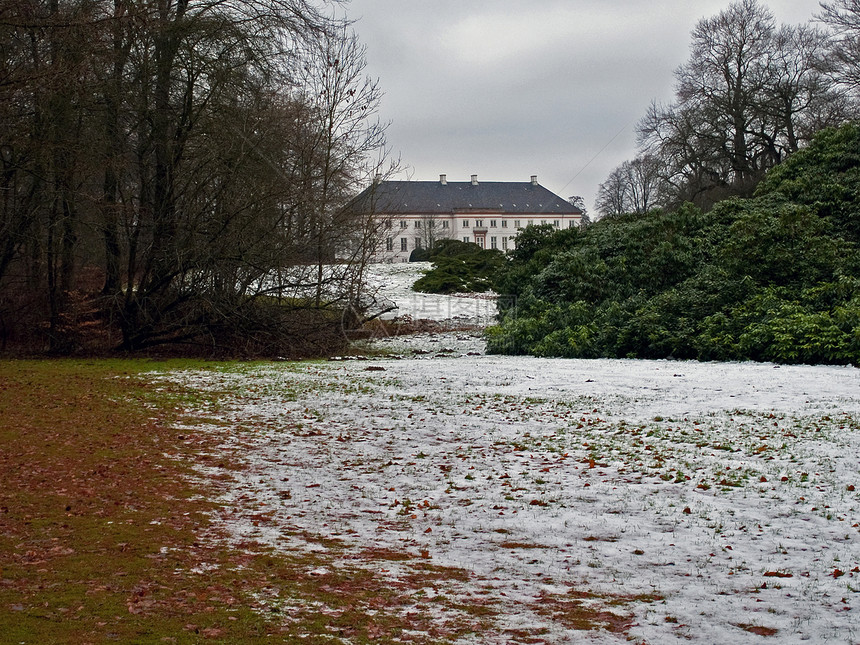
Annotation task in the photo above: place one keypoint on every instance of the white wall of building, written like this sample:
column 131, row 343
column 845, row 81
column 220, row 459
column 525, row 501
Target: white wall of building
column 402, row 234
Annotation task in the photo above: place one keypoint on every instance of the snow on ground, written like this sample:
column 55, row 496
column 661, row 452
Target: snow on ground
column 587, row 501
column 460, row 318
column 394, row 285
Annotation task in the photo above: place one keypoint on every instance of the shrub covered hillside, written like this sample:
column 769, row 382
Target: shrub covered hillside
column 774, row 278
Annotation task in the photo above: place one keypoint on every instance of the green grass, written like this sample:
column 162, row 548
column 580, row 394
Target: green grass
column 100, row 530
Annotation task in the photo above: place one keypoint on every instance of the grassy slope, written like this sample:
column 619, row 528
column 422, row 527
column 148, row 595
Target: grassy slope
column 98, row 529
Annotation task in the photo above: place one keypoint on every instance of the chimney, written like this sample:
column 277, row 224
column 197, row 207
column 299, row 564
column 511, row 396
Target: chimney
column 443, row 179
column 474, row 180
column 534, row 180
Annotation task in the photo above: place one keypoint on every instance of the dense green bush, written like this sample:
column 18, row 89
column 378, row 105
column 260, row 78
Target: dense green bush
column 775, row 278
column 824, row 176
column 459, row 267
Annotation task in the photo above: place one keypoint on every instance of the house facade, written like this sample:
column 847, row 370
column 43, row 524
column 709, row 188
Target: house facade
column 415, row 214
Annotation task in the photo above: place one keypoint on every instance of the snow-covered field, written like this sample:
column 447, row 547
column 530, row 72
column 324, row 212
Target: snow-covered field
column 568, row 501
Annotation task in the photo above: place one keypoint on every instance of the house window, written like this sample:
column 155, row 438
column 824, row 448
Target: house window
column 481, row 240
column 431, row 224
column 492, row 223
column 465, row 223
column 389, row 244
column 479, row 223
column 418, row 223
column 404, row 244
column 388, row 223
column 445, row 224
column 493, row 244
column 403, row 224
column 504, row 223
column 505, row 243
column 417, row 242
column 556, row 224
column 466, row 239
column 516, row 223
column 531, row 222
column 543, row 221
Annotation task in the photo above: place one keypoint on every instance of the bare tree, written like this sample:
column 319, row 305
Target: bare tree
column 579, row 202
column 798, row 98
column 643, row 179
column 612, row 196
column 725, row 75
column 198, row 152
column 633, row 187
column 45, row 76
column 749, row 94
column 341, row 101
column 843, row 56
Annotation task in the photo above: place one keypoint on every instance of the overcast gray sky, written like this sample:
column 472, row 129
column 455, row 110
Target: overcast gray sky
column 510, row 88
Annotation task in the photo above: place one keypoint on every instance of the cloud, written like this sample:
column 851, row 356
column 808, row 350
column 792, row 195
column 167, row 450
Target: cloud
column 506, row 88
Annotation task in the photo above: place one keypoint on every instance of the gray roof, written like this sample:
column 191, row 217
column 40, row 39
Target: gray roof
column 434, row 197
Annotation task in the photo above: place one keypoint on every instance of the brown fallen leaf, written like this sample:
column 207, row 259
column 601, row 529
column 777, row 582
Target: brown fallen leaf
column 778, row 574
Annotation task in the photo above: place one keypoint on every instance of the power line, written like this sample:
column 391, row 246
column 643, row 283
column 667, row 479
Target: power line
column 608, row 143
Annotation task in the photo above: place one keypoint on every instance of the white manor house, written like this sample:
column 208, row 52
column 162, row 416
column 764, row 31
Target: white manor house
column 414, row 214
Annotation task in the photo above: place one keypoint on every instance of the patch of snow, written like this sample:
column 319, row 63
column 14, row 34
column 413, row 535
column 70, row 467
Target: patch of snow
column 393, row 285
column 726, row 490
column 443, row 344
